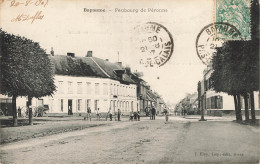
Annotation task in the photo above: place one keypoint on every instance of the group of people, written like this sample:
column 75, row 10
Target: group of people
column 98, row 114
column 152, row 113
column 133, row 115
column 111, row 115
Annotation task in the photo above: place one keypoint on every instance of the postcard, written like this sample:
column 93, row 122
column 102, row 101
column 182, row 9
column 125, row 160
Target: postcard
column 112, row 81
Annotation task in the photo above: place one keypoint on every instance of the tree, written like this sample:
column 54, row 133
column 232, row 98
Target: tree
column 236, row 72
column 236, row 67
column 26, row 70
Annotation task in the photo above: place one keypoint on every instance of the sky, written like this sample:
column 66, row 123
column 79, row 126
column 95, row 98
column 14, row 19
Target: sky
column 65, row 26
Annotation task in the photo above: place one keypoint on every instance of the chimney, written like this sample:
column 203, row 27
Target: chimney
column 128, row 69
column 119, row 63
column 148, row 86
column 52, row 52
column 89, row 54
column 71, row 54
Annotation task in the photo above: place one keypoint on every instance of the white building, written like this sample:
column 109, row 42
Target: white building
column 103, row 85
column 218, row 103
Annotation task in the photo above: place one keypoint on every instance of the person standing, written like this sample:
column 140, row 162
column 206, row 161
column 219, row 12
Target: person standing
column 110, row 114
column 89, row 114
column 138, row 115
column 165, row 111
column 98, row 115
column 19, row 112
column 118, row 115
column 150, row 113
column 131, row 116
column 153, row 113
column 70, row 110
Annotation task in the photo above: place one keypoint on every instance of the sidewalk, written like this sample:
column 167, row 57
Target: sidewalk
column 44, row 126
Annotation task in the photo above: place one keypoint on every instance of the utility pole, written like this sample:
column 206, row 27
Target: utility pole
column 201, row 100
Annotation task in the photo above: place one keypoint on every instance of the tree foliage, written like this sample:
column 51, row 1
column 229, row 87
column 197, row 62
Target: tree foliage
column 235, row 68
column 26, row 69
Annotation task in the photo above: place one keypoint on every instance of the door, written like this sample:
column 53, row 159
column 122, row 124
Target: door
column 70, row 107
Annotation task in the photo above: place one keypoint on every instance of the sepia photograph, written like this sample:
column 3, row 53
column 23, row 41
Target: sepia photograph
column 129, row 82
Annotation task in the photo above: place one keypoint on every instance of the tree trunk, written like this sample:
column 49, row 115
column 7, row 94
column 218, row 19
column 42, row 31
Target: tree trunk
column 30, row 110
column 14, row 110
column 239, row 108
column 236, row 108
column 252, row 101
column 246, row 107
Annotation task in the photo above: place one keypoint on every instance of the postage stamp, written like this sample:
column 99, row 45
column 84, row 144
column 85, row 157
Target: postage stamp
column 155, row 44
column 236, row 13
column 207, row 42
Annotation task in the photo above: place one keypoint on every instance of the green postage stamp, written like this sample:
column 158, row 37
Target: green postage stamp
column 236, row 13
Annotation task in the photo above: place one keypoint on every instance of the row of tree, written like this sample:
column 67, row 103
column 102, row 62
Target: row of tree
column 236, row 68
column 26, row 70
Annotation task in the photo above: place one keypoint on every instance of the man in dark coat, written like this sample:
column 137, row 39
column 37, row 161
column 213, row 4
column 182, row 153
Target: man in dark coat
column 153, row 113
column 119, row 114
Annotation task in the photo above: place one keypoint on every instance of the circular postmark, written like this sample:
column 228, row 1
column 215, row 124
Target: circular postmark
column 154, row 44
column 213, row 36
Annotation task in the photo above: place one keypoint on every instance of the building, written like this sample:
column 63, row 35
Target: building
column 215, row 103
column 145, row 96
column 84, row 82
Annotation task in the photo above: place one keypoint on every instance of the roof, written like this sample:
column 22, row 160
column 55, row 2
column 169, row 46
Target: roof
column 88, row 66
column 151, row 95
column 79, row 66
column 110, row 68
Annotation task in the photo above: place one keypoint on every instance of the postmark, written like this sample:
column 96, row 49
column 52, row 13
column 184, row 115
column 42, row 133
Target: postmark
column 207, row 42
column 154, row 44
column 236, row 13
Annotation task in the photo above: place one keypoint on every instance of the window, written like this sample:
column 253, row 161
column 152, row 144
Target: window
column 105, row 89
column 79, row 103
column 215, row 102
column 111, row 89
column 119, row 90
column 70, row 87
column 114, row 89
column 96, row 104
column 60, row 87
column 88, row 103
column 61, row 105
column 97, row 88
column 111, row 105
column 134, row 92
column 88, row 88
column 259, row 100
column 79, row 87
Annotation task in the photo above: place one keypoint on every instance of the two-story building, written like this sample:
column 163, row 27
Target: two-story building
column 84, row 82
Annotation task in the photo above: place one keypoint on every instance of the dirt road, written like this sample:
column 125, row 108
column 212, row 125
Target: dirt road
column 148, row 141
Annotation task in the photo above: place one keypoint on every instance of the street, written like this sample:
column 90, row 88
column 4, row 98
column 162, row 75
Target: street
column 180, row 140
